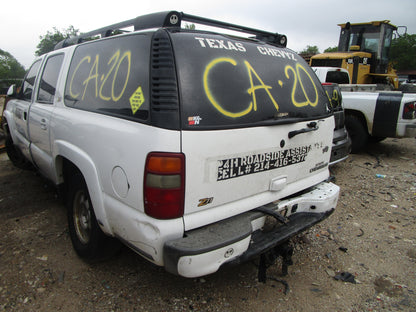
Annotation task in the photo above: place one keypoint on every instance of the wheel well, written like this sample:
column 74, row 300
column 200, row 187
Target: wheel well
column 5, row 125
column 65, row 169
column 358, row 115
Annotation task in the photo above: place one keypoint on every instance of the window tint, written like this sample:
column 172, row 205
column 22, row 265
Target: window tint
column 111, row 76
column 29, row 81
column 337, row 77
column 47, row 86
column 228, row 82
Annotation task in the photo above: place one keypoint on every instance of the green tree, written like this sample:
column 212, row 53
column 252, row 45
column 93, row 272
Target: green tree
column 310, row 50
column 331, row 49
column 48, row 41
column 403, row 52
column 190, row 26
column 11, row 71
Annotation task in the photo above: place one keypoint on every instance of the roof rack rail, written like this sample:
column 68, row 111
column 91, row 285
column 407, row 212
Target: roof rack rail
column 172, row 19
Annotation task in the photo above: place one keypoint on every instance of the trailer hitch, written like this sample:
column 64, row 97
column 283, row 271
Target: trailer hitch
column 267, row 259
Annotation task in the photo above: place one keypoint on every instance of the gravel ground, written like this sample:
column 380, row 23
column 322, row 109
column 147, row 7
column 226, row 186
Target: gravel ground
column 370, row 239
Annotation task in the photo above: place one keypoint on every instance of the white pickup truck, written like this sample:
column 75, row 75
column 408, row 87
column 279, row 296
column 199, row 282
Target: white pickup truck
column 372, row 115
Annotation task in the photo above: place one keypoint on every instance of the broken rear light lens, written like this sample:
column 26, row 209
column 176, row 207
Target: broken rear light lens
column 409, row 110
column 164, row 185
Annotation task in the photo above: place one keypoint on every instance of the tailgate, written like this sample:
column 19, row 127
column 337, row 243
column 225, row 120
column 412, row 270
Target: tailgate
column 232, row 171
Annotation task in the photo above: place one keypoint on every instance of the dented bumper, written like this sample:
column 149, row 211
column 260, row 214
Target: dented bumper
column 235, row 240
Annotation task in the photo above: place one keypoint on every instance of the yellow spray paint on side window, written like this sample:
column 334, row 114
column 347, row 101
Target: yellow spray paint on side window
column 334, row 98
column 101, row 87
column 115, row 59
column 92, row 75
column 75, row 95
column 126, row 55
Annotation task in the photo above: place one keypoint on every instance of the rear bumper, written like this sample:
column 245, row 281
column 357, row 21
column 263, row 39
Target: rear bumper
column 406, row 128
column 235, row 240
column 410, row 131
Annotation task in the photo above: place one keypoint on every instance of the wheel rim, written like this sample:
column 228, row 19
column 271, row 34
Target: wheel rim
column 82, row 217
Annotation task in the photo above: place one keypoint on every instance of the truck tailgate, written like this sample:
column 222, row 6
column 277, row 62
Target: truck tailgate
column 230, row 172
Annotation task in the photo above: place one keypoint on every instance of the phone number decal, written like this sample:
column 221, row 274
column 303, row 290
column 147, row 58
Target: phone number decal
column 240, row 166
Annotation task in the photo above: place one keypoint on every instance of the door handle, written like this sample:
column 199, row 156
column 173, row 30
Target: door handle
column 43, row 125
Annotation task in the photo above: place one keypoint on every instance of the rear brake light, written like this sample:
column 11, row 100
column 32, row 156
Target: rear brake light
column 409, row 110
column 164, row 185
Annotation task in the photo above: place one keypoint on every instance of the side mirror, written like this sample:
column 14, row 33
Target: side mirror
column 12, row 91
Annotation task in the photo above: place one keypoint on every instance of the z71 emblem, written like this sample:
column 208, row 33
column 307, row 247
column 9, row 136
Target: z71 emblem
column 205, row 201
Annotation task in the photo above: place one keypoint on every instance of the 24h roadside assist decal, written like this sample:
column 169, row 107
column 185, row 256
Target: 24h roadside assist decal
column 244, row 165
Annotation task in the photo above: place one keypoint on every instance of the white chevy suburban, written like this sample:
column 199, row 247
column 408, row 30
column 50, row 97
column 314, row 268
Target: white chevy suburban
column 179, row 143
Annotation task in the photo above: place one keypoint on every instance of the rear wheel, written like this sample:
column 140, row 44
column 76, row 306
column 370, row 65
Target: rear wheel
column 88, row 239
column 357, row 131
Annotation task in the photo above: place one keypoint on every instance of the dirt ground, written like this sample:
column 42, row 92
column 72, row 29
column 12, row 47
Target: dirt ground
column 372, row 236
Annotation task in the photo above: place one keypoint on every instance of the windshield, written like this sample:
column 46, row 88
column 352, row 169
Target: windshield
column 368, row 41
column 229, row 82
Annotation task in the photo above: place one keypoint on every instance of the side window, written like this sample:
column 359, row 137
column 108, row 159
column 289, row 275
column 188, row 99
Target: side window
column 111, row 77
column 49, row 79
column 29, row 82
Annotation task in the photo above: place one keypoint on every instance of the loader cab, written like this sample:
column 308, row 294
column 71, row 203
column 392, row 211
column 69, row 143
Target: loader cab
column 372, row 37
column 363, row 50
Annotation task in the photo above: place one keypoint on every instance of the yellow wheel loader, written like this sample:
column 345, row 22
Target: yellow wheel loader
column 363, row 50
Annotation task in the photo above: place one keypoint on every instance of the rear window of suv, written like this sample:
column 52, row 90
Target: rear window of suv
column 229, row 82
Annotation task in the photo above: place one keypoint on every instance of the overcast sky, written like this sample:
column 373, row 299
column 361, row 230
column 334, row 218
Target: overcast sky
column 312, row 22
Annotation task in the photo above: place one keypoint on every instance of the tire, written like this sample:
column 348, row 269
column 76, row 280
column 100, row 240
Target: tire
column 357, row 131
column 88, row 240
column 15, row 155
column 376, row 139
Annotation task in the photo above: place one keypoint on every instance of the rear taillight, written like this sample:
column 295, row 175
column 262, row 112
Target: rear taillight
column 409, row 110
column 164, row 185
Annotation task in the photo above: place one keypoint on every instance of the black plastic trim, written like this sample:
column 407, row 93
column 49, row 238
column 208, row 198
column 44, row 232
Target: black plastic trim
column 164, row 107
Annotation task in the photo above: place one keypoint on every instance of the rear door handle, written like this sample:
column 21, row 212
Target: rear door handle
column 43, row 125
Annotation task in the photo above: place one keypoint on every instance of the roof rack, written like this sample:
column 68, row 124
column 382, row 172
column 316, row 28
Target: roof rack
column 171, row 19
